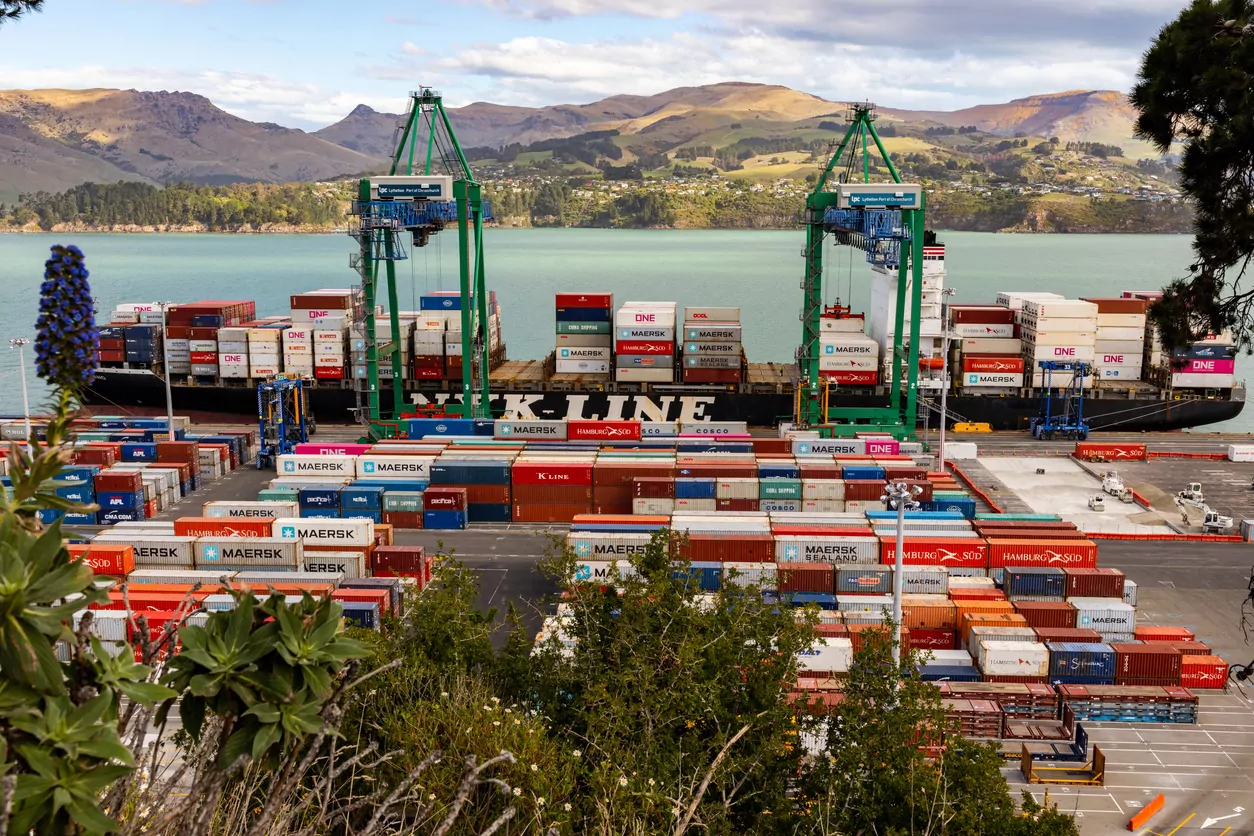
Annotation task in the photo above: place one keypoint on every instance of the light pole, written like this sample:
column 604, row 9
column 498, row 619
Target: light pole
column 165, row 363
column 18, row 343
column 945, row 333
column 901, row 496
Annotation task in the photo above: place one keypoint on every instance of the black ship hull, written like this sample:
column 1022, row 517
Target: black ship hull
column 144, row 392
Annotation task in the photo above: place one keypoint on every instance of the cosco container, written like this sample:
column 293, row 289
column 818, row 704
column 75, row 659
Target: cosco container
column 253, row 551
column 1104, row 615
column 1079, row 659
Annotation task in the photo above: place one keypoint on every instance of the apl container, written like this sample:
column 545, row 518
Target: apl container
column 1067, row 659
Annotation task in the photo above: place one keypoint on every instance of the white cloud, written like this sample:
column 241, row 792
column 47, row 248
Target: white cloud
column 410, row 48
column 258, row 98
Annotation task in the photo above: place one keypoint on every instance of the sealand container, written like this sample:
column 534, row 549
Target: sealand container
column 1012, row 658
column 1146, row 664
column 821, row 549
column 268, row 552
column 1069, row 659
column 1020, row 581
column 805, row 577
column 1203, row 672
column 1046, row 613
column 1104, row 615
column 1056, row 553
column 1094, row 583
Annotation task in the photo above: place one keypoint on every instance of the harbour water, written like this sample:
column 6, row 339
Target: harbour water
column 758, row 271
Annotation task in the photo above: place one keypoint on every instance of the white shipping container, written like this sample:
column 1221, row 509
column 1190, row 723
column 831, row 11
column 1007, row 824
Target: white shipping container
column 1121, row 320
column 176, row 576
column 651, row 505
column 714, row 428
column 863, row 551
column 864, row 603
column 659, row 429
column 1014, row 299
column 970, row 582
column 1041, row 308
column 842, row 326
column 687, row 504
column 247, row 551
column 976, row 330
column 1203, row 381
column 1054, row 337
column 203, row 346
column 841, row 364
column 264, row 335
column 326, row 349
column 304, row 349
column 326, row 336
column 298, row 336
column 583, row 366
column 316, row 465
column 974, row 380
column 991, row 346
column 1105, row 615
column 1121, row 334
column 744, row 488
column 151, row 550
column 607, row 545
column 636, row 317
column 823, row 489
column 827, row 655
column 1119, row 372
column 1129, row 592
column 1241, row 453
column 745, row 574
column 666, row 375
column 372, row 466
column 603, row 571
column 254, row 509
column 1059, row 380
column 322, row 361
column 1132, row 347
column 354, row 532
column 267, row 371
column 927, row 580
column 233, row 371
column 1009, row 658
column 953, row 658
column 232, row 347
column 823, row 506
column 1060, row 353
column 347, row 564
column 707, row 314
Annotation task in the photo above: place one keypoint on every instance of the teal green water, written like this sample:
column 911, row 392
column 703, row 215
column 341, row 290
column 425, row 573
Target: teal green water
column 759, row 271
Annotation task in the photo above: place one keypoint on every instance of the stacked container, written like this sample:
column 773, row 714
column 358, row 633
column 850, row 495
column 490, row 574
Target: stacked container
column 265, row 351
column 882, row 316
column 584, row 338
column 427, row 361
column 330, row 354
column 1208, row 364
column 644, row 345
column 552, row 488
column 1061, row 330
column 847, row 356
column 1120, row 345
column 486, row 480
column 298, row 351
column 988, row 350
column 233, row 352
column 328, row 308
column 142, row 346
column 712, row 345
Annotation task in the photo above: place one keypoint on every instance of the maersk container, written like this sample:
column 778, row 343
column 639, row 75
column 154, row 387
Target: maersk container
column 779, row 489
column 302, row 465
column 863, row 551
column 1068, row 659
column 354, row 533
column 864, row 578
column 603, row 571
column 530, row 430
column 607, row 545
column 864, row 603
column 926, row 580
column 1010, row 658
column 1035, row 582
column 1105, row 615
column 1129, row 592
column 151, row 551
column 250, row 510
column 349, row 564
column 696, row 488
column 394, row 467
column 247, row 551
column 827, row 655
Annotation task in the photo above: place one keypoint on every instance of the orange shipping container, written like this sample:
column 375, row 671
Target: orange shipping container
column 858, row 633
column 928, row 615
column 222, row 527
column 105, row 560
column 986, row 612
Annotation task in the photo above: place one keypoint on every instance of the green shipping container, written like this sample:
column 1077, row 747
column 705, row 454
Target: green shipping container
column 583, row 327
column 402, row 501
column 779, row 489
column 279, row 495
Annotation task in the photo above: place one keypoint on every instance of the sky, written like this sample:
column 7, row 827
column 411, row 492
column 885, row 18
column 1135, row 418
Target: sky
column 307, row 63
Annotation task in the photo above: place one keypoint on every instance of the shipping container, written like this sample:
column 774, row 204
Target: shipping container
column 1094, row 583
column 1019, row 581
column 828, row 656
column 936, row 551
column 1150, row 633
column 1104, row 615
column 1082, row 635
column 928, row 612
column 1041, row 553
column 326, row 532
column 1146, row 664
column 1012, row 658
column 1046, row 613
column 1203, row 672
column 1071, row 659
column 805, row 577
column 255, row 551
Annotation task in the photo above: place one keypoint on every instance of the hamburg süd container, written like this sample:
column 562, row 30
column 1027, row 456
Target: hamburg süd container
column 1203, row 672
column 1012, row 658
column 1057, row 553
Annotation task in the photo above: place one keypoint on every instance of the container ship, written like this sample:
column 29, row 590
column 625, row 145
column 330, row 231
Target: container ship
column 659, row 362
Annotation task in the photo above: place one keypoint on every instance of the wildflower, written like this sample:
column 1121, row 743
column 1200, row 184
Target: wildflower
column 540, row 801
column 566, row 806
column 535, row 768
column 66, row 336
column 431, row 796
column 487, row 708
column 517, row 722
column 496, row 722
column 496, row 700
column 651, row 782
column 444, row 693
column 577, row 753
column 690, row 724
column 517, row 790
column 622, row 780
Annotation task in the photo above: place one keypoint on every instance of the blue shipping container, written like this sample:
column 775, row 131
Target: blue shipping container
column 112, row 332
column 583, row 315
column 79, row 519
column 320, row 513
column 482, row 512
column 361, row 613
column 484, row 426
column 1081, row 659
column 707, row 576
column 390, row 485
column 686, row 446
column 319, row 497
column 855, row 473
column 1034, row 580
column 139, row 452
column 441, row 303
column 467, row 472
column 964, row 506
column 77, row 474
column 47, row 516
column 82, row 493
column 948, row 673
column 695, row 488
column 361, row 513
column 121, row 500
column 822, row 599
column 117, row 515
column 778, row 471
column 423, row 427
column 205, row 320
column 364, row 497
column 1081, row 680
column 444, row 520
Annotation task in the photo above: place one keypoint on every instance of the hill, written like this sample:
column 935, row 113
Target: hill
column 54, row 139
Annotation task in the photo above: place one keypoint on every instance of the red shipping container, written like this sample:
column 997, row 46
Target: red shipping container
column 1059, row 525
column 408, row 520
column 772, row 445
column 1006, row 533
column 382, row 597
column 444, row 499
column 1189, row 648
column 428, row 374
column 831, row 631
column 1046, row 553
column 1094, row 583
column 209, row 358
column 428, row 361
column 936, row 551
column 103, row 456
column 1110, row 451
column 851, row 378
column 328, row 372
column 553, row 495
column 551, row 473
column 864, row 490
column 115, row 356
column 1163, row 634
column 729, row 548
column 992, row 363
column 403, row 561
column 202, row 333
column 222, row 527
column 806, row 577
column 1119, row 305
column 1207, row 672
column 735, row 505
column 651, row 487
column 975, row 593
column 118, row 481
column 982, row 314
column 603, row 430
column 1146, row 664
column 623, row 473
column 1068, row 634
column 549, row 512
column 105, row 560
column 583, row 300
column 110, row 347
column 150, row 509
column 1019, row 680
column 643, row 347
column 321, row 301
column 487, row 494
column 728, row 376
column 1047, row 613
column 933, row 639
column 858, row 633
column 141, row 599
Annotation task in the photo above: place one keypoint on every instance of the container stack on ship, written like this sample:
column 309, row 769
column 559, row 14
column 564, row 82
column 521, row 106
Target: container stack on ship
column 1120, row 339
column 881, row 320
column 712, row 347
column 585, row 344
column 644, row 349
column 1058, row 330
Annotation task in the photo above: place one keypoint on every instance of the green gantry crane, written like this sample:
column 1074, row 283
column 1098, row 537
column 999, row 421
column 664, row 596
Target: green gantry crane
column 885, row 220
column 421, row 204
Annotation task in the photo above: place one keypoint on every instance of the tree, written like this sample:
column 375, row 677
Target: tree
column 13, row 9
column 1193, row 87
